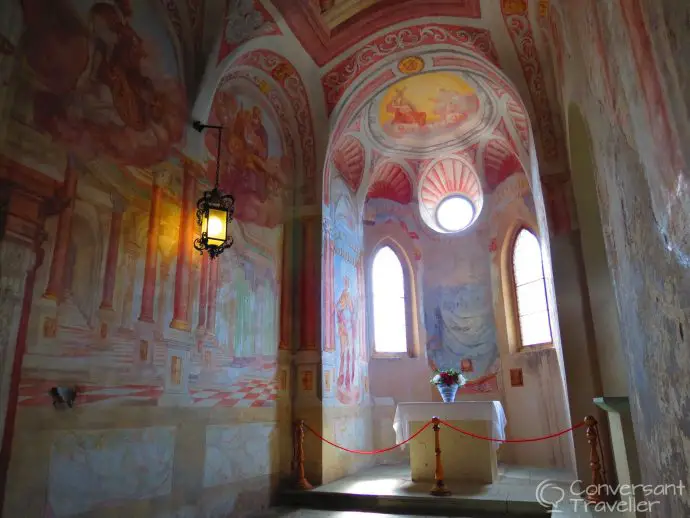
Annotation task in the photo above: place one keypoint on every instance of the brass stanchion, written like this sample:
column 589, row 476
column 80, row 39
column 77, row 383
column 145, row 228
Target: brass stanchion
column 301, row 481
column 439, row 488
column 593, row 492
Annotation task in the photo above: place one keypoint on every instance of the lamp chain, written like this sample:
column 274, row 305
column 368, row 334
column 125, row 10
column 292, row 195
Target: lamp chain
column 220, row 135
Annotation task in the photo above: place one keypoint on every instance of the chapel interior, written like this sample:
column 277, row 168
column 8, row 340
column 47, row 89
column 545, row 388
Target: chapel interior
column 499, row 187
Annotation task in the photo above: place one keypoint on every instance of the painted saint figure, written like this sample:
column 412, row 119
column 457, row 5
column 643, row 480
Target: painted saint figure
column 100, row 88
column 257, row 169
column 345, row 311
column 404, row 111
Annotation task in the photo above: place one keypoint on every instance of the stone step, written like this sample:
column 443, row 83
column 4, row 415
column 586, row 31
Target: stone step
column 411, row 505
column 292, row 512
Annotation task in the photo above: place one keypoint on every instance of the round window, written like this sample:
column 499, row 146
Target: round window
column 455, row 213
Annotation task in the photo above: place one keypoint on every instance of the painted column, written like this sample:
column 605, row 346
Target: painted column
column 180, row 319
column 15, row 262
column 360, row 308
column 212, row 296
column 62, row 238
column 113, row 253
column 286, row 283
column 203, row 292
column 328, row 297
column 310, row 284
column 149, row 288
column 128, row 297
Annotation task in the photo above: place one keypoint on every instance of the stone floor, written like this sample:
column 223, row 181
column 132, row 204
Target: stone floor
column 518, row 490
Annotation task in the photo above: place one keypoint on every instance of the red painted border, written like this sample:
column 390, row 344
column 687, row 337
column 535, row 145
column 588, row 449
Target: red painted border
column 13, row 396
column 340, row 77
column 519, row 27
column 323, row 45
column 648, row 75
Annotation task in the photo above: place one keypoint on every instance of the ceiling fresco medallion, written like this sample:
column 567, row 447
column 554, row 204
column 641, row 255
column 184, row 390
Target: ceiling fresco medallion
column 411, row 65
column 428, row 112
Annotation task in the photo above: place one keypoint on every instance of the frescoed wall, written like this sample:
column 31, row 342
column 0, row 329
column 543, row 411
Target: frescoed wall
column 455, row 291
column 345, row 358
column 257, row 165
column 460, row 326
column 184, row 402
column 106, row 79
column 460, row 283
column 154, row 336
column 344, row 354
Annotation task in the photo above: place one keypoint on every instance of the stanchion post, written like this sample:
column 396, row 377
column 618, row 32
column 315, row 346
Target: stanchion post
column 301, row 481
column 439, row 488
column 593, row 493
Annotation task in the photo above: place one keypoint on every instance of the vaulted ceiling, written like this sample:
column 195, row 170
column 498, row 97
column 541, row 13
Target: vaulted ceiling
column 348, row 42
column 375, row 91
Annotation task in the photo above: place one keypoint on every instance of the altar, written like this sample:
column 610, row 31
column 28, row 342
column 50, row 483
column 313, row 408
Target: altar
column 464, row 458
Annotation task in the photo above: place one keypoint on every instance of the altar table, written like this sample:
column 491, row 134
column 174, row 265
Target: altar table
column 464, row 458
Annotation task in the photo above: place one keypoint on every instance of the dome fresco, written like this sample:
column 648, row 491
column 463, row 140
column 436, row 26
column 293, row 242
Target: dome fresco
column 443, row 117
column 427, row 113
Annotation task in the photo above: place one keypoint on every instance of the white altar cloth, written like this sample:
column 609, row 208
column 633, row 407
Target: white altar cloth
column 457, row 411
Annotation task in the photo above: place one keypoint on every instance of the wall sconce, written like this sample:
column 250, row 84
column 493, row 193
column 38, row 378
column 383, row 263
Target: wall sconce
column 214, row 210
column 63, row 396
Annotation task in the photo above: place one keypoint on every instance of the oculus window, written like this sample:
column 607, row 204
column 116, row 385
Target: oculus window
column 455, row 213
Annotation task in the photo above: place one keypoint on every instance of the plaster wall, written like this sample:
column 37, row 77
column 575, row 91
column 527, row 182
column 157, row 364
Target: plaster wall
column 637, row 113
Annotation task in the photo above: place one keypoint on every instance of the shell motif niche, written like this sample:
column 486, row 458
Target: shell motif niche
column 349, row 158
column 500, row 162
column 392, row 183
column 445, row 178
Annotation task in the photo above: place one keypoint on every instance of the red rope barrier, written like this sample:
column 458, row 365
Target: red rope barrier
column 464, row 432
column 531, row 439
column 362, row 452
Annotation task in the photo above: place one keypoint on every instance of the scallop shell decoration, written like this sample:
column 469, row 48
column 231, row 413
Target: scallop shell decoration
column 348, row 158
column 450, row 176
column 392, row 183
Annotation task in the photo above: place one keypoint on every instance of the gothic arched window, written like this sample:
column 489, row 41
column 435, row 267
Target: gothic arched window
column 389, row 311
column 530, row 290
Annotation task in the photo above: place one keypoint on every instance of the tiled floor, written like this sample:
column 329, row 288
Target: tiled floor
column 243, row 393
column 517, row 489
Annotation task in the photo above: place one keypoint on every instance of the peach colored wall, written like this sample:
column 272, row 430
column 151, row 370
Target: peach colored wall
column 599, row 284
column 538, row 407
column 637, row 115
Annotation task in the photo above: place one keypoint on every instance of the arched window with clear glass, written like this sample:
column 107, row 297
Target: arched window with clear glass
column 389, row 311
column 530, row 290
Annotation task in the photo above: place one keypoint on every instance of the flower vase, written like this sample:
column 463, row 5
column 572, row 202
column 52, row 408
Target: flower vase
column 448, row 392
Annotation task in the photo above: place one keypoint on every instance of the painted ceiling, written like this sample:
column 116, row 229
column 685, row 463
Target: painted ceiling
column 373, row 91
column 403, row 89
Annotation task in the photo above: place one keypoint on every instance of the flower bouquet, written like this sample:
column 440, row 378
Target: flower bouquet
column 448, row 382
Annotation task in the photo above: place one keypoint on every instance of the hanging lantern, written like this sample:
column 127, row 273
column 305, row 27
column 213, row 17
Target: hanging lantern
column 214, row 211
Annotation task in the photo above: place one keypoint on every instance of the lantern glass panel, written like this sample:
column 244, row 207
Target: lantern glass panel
column 217, row 227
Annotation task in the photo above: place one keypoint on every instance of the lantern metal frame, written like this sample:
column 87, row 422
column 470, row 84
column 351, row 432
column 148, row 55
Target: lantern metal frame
column 214, row 200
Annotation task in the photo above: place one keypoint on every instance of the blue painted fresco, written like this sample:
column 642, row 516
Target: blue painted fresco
column 460, row 325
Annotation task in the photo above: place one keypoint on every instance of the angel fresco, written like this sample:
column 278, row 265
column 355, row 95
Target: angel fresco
column 99, row 85
column 256, row 168
column 454, row 107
